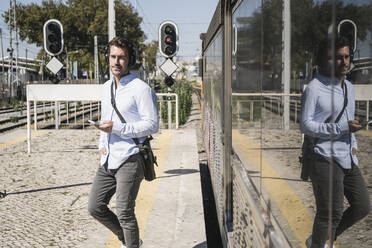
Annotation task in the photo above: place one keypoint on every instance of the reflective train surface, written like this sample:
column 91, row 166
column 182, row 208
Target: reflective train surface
column 257, row 57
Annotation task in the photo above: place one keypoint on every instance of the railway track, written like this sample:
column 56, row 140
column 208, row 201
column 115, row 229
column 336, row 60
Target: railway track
column 45, row 116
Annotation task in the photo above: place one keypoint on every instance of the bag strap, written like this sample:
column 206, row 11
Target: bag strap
column 113, row 103
column 345, row 103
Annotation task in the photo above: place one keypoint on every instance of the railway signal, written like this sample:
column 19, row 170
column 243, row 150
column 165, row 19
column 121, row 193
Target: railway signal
column 53, row 37
column 348, row 28
column 168, row 39
column 169, row 81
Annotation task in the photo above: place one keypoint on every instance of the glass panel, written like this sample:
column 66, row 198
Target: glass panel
column 214, row 77
column 264, row 145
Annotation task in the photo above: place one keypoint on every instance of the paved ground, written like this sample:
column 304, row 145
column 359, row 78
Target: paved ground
column 48, row 192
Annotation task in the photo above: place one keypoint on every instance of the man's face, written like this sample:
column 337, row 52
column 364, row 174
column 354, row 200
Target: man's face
column 342, row 62
column 119, row 59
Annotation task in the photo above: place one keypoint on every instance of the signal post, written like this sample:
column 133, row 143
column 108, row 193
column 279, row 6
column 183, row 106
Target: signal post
column 53, row 45
column 168, row 47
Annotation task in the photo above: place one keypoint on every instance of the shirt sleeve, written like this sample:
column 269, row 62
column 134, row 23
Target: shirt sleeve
column 354, row 143
column 148, row 122
column 314, row 128
column 103, row 136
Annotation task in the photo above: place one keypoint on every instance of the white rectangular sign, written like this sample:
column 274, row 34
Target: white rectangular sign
column 64, row 92
column 363, row 92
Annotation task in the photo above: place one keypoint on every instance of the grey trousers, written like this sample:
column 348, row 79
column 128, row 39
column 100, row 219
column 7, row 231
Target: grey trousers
column 125, row 181
column 346, row 182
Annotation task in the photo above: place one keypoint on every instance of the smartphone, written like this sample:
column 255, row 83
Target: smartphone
column 365, row 123
column 95, row 123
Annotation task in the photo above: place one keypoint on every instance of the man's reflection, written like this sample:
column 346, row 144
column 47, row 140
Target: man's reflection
column 330, row 127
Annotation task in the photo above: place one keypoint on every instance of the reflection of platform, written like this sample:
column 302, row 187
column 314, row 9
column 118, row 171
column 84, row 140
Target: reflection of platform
column 274, row 187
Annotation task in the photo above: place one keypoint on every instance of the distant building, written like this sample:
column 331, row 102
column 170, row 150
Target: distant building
column 27, row 71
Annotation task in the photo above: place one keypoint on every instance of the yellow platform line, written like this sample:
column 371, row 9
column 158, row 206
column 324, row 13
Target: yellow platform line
column 146, row 195
column 20, row 139
column 288, row 202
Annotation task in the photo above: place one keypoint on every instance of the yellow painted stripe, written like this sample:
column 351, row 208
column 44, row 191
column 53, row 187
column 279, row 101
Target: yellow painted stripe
column 20, row 139
column 146, row 195
column 286, row 199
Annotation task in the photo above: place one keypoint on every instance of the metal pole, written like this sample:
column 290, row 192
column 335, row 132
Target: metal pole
column 367, row 114
column 111, row 19
column 16, row 37
column 169, row 110
column 28, row 123
column 67, row 64
column 96, row 72
column 42, row 69
column 67, row 104
column 177, row 122
column 56, row 115
column 286, row 60
column 43, row 111
column 26, row 60
column 227, row 129
column 111, row 22
column 251, row 105
column 35, row 116
column 10, row 50
column 2, row 53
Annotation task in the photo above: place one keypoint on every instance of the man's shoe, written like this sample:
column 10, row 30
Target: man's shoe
column 140, row 242
column 309, row 241
column 327, row 246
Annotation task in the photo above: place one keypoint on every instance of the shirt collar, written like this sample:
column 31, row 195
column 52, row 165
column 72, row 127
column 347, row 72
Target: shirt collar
column 127, row 78
column 327, row 80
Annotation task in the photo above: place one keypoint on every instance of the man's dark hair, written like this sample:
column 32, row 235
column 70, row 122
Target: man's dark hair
column 124, row 44
column 325, row 45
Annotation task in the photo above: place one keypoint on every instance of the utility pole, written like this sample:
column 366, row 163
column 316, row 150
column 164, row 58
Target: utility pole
column 286, row 60
column 96, row 71
column 2, row 53
column 111, row 22
column 111, row 19
column 16, row 38
column 26, row 59
column 67, row 65
column 10, row 50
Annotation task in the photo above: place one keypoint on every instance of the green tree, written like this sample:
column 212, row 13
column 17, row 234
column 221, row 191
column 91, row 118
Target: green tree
column 81, row 20
column 310, row 23
column 149, row 51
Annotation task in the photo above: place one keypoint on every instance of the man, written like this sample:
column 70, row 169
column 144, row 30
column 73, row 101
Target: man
column 121, row 168
column 346, row 177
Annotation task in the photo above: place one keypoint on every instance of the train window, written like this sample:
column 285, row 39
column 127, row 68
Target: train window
column 275, row 55
column 213, row 79
column 290, row 61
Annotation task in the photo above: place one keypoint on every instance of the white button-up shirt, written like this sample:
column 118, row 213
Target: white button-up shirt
column 316, row 108
column 136, row 102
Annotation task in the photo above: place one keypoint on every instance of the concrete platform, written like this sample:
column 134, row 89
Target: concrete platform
column 52, row 184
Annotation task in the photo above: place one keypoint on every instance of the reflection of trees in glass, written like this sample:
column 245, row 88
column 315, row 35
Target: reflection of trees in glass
column 310, row 22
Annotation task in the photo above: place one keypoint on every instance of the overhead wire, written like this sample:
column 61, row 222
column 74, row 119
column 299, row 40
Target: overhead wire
column 152, row 30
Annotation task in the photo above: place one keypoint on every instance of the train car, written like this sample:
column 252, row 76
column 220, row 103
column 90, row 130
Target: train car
column 258, row 55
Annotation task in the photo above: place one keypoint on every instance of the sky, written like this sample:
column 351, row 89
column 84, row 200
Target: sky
column 191, row 16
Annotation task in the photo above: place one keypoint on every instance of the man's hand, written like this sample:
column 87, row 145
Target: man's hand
column 354, row 151
column 102, row 152
column 106, row 126
column 354, row 126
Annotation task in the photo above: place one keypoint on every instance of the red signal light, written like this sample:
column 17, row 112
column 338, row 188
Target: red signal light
column 168, row 39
